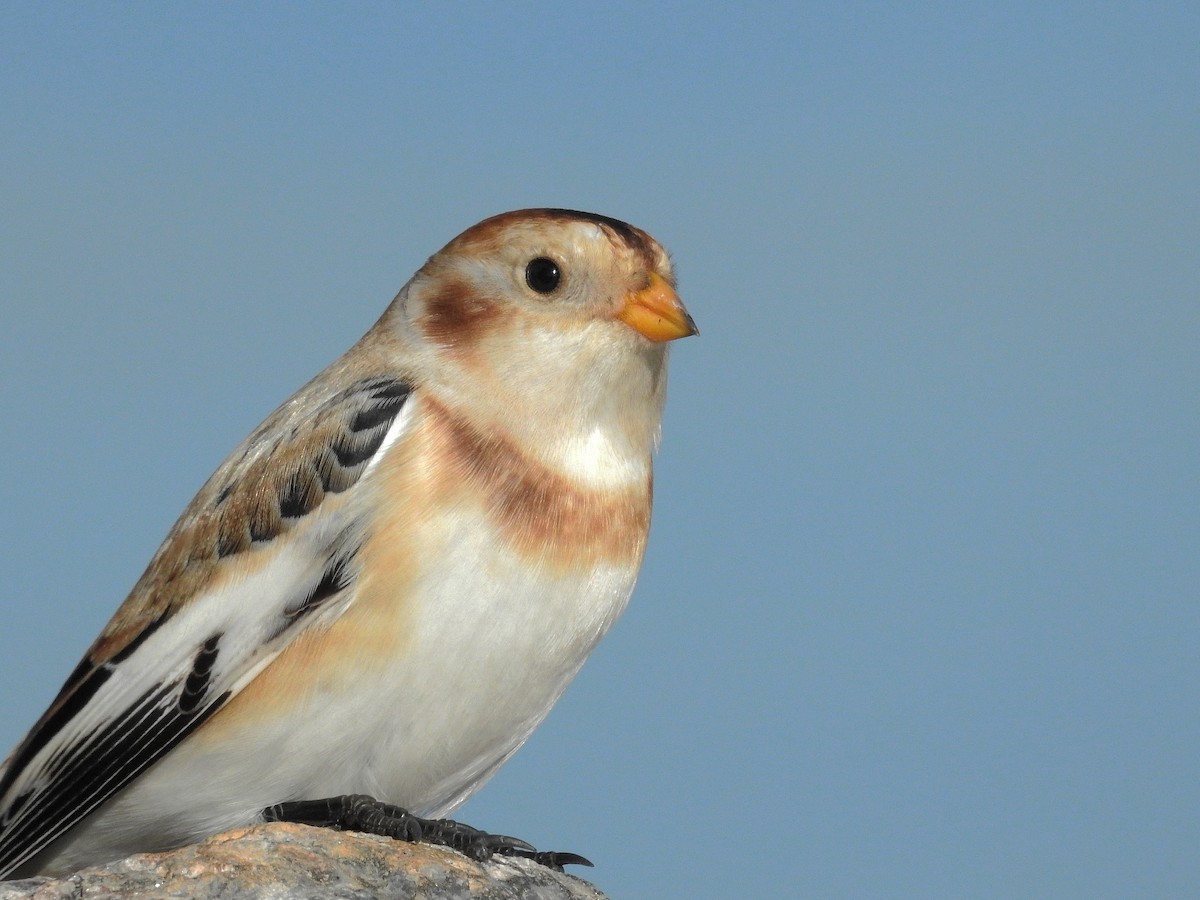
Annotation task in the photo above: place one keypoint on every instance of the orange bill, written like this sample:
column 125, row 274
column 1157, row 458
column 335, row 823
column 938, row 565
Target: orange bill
column 657, row 312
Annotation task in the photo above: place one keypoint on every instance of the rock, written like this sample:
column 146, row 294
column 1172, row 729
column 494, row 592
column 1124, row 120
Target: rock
column 285, row 861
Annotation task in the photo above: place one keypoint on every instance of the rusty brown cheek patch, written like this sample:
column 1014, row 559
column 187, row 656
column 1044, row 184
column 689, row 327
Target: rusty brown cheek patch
column 456, row 315
column 541, row 513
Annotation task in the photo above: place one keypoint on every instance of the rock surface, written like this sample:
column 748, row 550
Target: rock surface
column 285, row 861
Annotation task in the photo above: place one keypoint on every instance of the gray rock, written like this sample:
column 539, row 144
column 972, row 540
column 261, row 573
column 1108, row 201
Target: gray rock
column 285, row 861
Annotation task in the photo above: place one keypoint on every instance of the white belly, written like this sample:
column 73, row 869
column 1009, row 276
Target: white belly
column 419, row 709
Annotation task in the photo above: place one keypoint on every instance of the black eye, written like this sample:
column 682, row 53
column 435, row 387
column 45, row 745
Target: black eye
column 543, row 275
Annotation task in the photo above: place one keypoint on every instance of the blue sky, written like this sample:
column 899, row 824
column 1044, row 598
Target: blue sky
column 920, row 611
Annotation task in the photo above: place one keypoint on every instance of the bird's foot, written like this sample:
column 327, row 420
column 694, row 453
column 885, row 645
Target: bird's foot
column 359, row 812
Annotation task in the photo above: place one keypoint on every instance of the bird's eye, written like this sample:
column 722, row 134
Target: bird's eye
column 543, row 275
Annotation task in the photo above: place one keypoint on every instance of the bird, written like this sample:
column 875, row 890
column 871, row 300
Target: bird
column 381, row 592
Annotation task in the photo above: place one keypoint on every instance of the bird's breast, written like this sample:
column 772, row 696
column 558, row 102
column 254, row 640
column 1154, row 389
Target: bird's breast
column 548, row 516
column 483, row 583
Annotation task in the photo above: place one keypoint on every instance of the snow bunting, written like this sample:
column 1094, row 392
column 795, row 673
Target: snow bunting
column 383, row 590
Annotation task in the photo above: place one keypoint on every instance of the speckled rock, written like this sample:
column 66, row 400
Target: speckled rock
column 286, row 861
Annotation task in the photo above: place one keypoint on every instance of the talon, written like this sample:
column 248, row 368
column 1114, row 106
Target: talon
column 553, row 859
column 557, row 859
column 502, row 843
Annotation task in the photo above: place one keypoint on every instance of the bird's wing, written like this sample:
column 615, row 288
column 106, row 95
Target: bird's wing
column 265, row 550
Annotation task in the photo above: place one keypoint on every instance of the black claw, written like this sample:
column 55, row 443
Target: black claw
column 551, row 859
column 503, row 844
column 556, row 859
column 359, row 812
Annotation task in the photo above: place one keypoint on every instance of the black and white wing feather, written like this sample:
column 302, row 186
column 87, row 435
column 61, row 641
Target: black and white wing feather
column 221, row 598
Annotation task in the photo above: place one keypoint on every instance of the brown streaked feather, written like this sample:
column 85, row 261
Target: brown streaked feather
column 290, row 465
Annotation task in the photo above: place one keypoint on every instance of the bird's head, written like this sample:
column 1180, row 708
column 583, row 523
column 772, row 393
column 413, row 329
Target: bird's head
column 554, row 313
